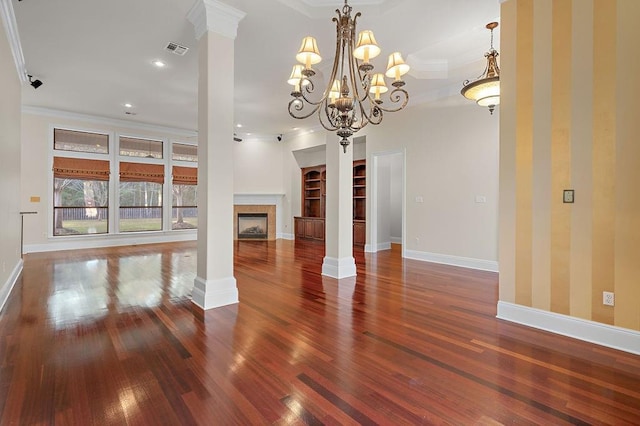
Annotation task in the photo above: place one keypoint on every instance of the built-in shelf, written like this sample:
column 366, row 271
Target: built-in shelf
column 311, row 223
column 359, row 202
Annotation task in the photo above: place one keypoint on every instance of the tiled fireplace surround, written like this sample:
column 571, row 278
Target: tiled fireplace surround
column 260, row 203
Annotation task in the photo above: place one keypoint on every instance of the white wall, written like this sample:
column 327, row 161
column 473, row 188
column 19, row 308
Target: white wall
column 451, row 158
column 10, row 100
column 258, row 167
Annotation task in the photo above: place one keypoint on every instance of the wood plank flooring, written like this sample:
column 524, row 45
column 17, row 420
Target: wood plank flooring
column 108, row 337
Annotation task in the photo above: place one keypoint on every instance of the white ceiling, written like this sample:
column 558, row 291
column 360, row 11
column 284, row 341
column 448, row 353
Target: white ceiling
column 94, row 56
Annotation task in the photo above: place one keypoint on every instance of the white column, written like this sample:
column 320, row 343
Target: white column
column 338, row 261
column 216, row 26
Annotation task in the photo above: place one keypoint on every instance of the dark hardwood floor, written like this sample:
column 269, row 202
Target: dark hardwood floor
column 108, row 337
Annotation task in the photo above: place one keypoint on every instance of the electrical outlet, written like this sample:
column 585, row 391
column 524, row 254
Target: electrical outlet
column 608, row 298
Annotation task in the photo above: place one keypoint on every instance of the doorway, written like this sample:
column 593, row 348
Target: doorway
column 387, row 201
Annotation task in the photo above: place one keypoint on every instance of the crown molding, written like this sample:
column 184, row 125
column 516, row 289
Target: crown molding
column 11, row 28
column 215, row 16
column 318, row 9
column 47, row 112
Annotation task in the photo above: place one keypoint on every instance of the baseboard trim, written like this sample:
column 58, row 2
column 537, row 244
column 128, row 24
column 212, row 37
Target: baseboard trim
column 396, row 240
column 368, row 248
column 589, row 331
column 86, row 242
column 285, row 236
column 463, row 262
column 7, row 287
column 210, row 294
column 339, row 268
column 384, row 246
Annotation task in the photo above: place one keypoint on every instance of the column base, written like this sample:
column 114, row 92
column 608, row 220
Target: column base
column 339, row 268
column 209, row 294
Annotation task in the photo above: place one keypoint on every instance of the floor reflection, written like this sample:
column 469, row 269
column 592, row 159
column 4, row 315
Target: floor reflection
column 140, row 282
column 85, row 291
column 80, row 292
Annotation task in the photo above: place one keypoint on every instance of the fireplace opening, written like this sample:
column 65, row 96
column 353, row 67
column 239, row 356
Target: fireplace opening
column 252, row 226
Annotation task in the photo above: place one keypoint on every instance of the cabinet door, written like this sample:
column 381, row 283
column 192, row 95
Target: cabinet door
column 308, row 228
column 359, row 233
column 318, row 230
column 299, row 226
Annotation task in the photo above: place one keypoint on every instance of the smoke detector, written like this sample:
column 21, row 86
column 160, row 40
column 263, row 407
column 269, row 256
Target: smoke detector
column 176, row 48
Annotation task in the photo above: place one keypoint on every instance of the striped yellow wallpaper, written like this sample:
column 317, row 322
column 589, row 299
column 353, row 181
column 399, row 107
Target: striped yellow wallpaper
column 524, row 147
column 570, row 119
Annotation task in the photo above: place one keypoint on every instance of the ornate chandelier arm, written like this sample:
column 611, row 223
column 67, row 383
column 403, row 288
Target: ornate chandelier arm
column 371, row 115
column 297, row 104
column 308, row 89
column 396, row 96
column 329, row 124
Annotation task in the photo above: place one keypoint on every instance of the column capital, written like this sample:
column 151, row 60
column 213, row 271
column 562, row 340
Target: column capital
column 216, row 16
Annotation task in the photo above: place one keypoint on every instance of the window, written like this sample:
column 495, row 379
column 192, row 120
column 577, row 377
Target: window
column 83, row 189
column 71, row 140
column 80, row 196
column 146, row 148
column 184, row 152
column 141, row 197
column 184, row 212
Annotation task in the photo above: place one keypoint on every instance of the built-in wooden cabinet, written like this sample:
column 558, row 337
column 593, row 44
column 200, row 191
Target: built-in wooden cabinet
column 311, row 223
column 359, row 202
column 359, row 232
column 313, row 191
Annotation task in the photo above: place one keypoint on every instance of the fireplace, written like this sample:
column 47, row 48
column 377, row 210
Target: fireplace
column 256, row 211
column 253, row 226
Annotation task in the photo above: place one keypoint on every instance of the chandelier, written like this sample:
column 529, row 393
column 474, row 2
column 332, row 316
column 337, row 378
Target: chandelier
column 485, row 90
column 351, row 99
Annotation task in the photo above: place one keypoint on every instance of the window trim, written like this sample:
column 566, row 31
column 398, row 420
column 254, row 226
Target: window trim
column 114, row 158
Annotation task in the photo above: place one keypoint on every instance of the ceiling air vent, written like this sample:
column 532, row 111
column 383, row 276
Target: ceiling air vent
column 176, row 48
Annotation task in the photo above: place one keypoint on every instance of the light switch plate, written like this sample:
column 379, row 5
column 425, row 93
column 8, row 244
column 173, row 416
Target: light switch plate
column 567, row 196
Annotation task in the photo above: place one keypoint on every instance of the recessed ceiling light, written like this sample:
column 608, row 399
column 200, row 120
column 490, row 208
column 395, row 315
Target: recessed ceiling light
column 158, row 63
column 128, row 105
column 238, row 125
